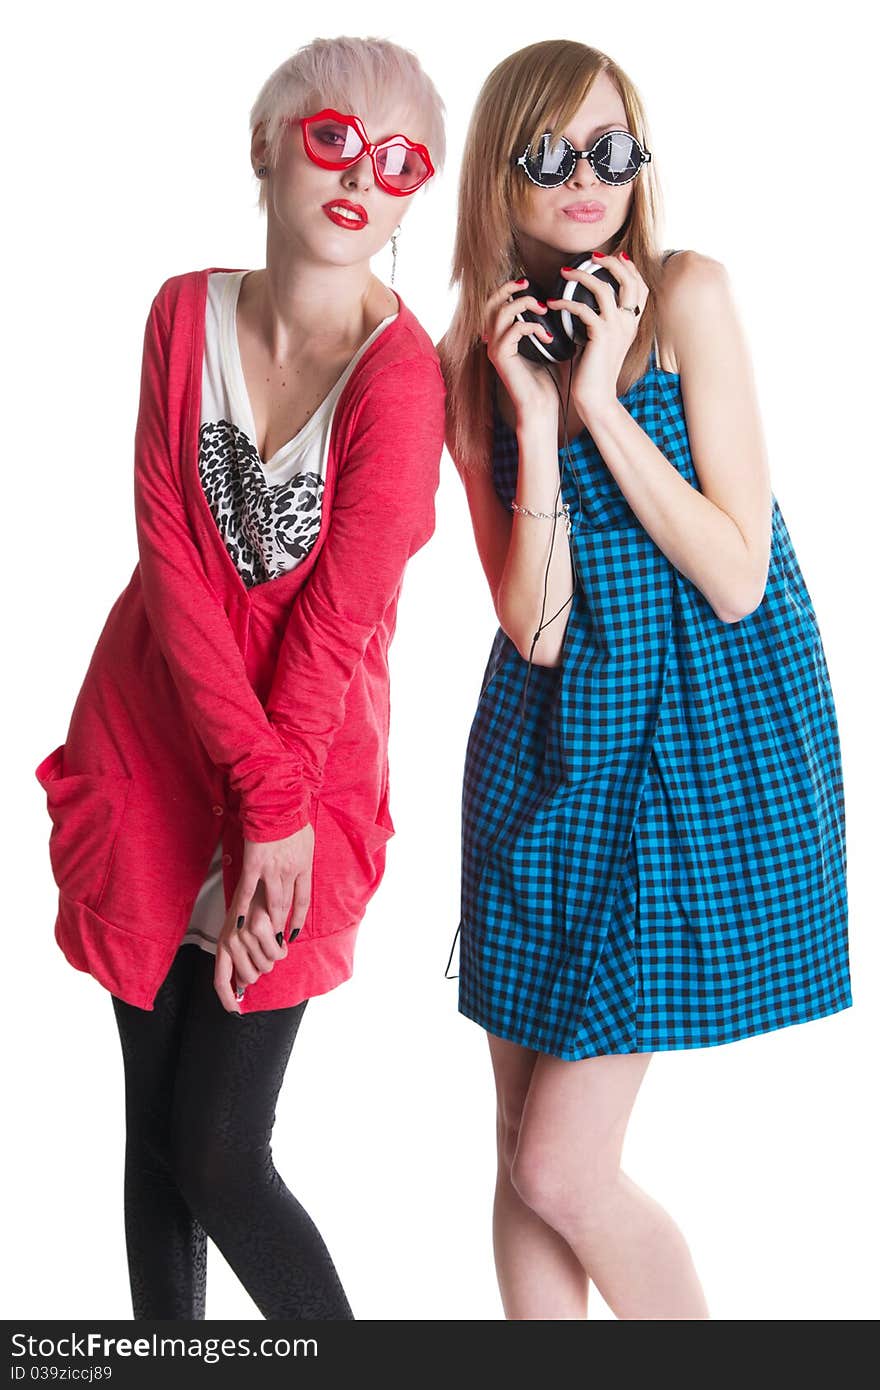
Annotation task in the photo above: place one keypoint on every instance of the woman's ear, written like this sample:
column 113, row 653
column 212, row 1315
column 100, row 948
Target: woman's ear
column 258, row 144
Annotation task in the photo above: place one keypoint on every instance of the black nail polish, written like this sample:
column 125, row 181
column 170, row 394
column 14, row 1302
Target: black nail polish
column 239, row 924
column 279, row 937
column 294, row 934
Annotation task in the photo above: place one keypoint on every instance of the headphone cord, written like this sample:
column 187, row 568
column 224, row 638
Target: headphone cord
column 541, row 623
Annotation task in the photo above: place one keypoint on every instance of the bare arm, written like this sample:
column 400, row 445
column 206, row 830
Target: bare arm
column 515, row 549
column 719, row 537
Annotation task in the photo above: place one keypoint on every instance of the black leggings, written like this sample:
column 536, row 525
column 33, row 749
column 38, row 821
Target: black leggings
column 200, row 1092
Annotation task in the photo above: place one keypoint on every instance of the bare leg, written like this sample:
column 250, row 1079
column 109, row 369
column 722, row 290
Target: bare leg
column 539, row 1275
column 567, row 1170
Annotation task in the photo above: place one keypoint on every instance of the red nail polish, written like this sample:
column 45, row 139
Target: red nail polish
column 598, row 255
column 568, row 267
column 520, row 282
column 541, row 304
column 624, row 256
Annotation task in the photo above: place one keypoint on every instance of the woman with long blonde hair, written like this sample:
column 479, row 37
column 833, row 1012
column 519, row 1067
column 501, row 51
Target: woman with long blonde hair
column 653, row 846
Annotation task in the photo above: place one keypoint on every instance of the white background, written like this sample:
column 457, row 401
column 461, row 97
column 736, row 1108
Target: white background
column 128, row 161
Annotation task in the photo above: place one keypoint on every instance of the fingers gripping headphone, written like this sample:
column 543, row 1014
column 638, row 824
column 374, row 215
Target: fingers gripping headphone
column 567, row 329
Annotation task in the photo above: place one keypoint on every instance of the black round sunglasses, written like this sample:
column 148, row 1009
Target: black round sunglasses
column 615, row 158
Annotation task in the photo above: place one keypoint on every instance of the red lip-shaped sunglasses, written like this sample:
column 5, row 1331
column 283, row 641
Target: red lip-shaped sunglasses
column 336, row 141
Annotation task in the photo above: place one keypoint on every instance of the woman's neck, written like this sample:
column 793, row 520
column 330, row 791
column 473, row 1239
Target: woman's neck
column 333, row 307
column 542, row 263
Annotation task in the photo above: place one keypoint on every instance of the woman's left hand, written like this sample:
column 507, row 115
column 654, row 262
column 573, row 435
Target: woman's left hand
column 610, row 333
column 276, row 875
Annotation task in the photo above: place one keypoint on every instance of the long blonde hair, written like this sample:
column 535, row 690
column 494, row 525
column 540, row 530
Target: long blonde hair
column 536, row 89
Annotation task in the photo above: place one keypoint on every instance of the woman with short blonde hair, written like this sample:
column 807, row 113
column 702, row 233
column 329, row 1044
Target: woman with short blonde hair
column 220, row 804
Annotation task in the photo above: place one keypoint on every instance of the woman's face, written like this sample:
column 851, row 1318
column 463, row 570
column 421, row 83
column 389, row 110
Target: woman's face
column 301, row 192
column 584, row 213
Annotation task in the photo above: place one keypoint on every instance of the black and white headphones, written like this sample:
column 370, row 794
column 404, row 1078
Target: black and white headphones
column 567, row 329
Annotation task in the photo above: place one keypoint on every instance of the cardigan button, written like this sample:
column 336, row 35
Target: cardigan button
column 218, row 810
column 227, row 859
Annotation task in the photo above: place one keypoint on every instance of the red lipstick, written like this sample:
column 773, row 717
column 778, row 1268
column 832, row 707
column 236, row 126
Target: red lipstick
column 346, row 214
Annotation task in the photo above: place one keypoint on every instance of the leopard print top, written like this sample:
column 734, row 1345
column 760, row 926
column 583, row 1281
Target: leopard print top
column 268, row 513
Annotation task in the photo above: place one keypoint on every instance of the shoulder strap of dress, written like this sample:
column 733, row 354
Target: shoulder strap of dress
column 655, row 349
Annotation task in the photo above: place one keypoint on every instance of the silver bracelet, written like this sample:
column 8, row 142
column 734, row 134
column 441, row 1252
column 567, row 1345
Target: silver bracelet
column 546, row 516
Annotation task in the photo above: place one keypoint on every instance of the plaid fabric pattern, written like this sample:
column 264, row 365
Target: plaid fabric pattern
column 668, row 867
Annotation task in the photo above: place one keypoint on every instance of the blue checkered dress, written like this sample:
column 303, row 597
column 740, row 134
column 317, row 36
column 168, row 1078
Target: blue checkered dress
column 668, row 869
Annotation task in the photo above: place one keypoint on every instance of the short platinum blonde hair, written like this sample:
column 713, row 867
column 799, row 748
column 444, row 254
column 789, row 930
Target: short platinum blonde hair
column 351, row 75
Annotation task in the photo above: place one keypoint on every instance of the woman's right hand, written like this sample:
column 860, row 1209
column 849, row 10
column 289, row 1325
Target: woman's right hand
column 529, row 385
column 274, row 875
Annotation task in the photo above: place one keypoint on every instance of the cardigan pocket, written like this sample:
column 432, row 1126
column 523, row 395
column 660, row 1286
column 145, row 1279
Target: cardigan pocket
column 86, row 809
column 347, row 867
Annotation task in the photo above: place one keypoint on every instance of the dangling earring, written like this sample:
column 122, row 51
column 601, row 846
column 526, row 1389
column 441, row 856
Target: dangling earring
column 394, row 238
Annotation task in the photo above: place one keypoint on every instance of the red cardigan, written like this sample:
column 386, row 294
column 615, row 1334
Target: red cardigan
column 208, row 706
